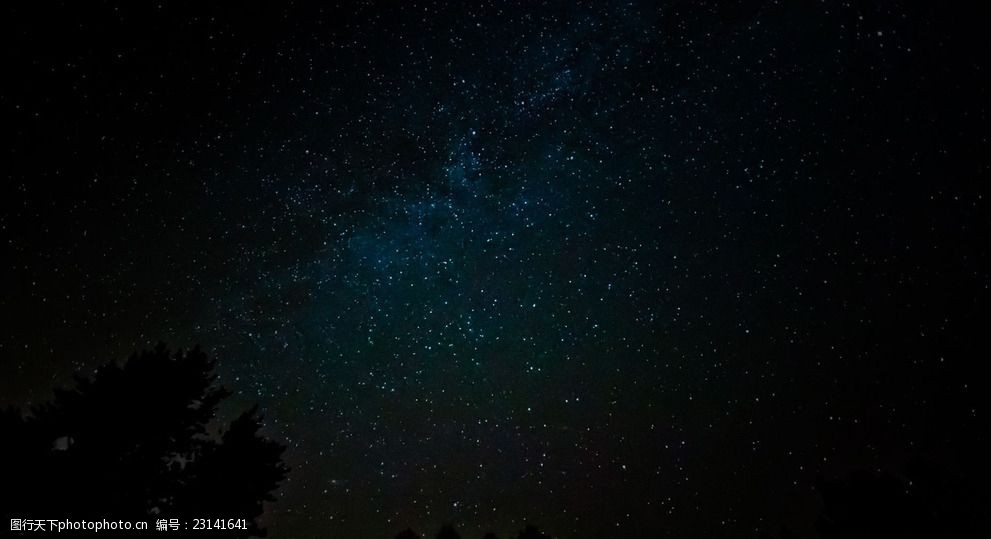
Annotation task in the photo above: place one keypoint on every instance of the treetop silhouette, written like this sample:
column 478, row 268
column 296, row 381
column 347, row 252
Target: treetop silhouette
column 132, row 443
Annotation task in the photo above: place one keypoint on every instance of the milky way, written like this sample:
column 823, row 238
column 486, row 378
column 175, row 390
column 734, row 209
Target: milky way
column 611, row 268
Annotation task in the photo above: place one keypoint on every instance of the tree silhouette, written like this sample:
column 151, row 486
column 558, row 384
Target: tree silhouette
column 532, row 532
column 132, row 443
column 447, row 532
column 489, row 535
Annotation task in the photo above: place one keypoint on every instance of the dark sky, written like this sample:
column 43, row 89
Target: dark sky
column 614, row 268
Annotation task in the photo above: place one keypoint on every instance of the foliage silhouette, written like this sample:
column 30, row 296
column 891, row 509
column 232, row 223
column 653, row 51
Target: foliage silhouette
column 132, row 443
column 490, row 535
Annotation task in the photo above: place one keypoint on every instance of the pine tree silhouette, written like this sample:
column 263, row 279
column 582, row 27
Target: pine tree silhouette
column 131, row 443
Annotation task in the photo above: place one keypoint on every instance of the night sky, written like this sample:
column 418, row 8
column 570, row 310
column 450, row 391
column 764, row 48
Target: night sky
column 613, row 268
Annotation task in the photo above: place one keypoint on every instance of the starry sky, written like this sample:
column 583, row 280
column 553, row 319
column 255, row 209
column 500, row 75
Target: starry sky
column 613, row 268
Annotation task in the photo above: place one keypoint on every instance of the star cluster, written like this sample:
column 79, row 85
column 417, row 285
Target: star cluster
column 617, row 269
